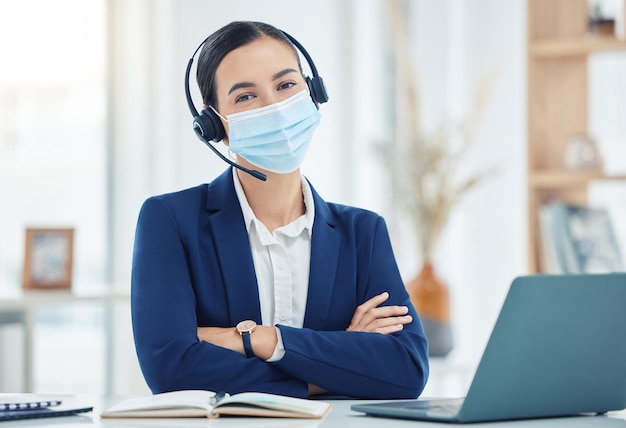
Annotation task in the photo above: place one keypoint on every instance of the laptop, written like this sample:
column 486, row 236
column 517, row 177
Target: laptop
column 558, row 348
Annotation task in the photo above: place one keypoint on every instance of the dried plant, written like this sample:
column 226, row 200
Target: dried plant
column 425, row 168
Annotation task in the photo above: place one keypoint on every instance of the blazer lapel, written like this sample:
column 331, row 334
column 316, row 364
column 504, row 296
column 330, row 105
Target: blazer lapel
column 235, row 257
column 233, row 249
column 325, row 244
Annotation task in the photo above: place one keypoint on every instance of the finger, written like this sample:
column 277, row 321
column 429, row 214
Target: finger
column 374, row 302
column 390, row 329
column 363, row 308
column 388, row 311
column 387, row 323
column 375, row 314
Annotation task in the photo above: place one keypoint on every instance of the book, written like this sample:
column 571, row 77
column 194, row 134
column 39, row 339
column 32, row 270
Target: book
column 578, row 239
column 557, row 241
column 198, row 403
column 551, row 256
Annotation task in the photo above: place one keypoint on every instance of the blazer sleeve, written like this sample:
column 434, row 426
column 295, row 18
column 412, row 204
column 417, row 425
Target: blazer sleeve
column 363, row 364
column 165, row 323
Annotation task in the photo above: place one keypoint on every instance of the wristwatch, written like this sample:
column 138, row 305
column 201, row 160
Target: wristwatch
column 245, row 328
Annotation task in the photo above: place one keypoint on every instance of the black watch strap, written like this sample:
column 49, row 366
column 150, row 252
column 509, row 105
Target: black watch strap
column 247, row 344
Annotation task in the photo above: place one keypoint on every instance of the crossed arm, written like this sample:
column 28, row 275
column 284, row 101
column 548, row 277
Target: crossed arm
column 368, row 317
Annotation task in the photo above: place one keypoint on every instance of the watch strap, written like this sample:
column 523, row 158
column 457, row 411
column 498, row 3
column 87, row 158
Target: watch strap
column 247, row 344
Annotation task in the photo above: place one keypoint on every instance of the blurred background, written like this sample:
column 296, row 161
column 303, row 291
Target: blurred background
column 93, row 120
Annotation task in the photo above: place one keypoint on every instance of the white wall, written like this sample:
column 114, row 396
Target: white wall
column 607, row 104
column 457, row 45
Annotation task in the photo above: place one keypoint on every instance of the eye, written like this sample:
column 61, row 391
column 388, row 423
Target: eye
column 286, row 85
column 243, row 97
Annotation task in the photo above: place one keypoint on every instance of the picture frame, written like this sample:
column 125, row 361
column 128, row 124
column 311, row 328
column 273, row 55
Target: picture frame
column 48, row 258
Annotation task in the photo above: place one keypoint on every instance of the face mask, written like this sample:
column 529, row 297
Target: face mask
column 275, row 137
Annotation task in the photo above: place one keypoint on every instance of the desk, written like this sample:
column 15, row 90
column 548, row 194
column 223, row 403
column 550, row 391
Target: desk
column 340, row 417
column 12, row 316
column 20, row 307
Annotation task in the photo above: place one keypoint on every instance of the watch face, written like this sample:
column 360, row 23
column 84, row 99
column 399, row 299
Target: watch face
column 246, row 326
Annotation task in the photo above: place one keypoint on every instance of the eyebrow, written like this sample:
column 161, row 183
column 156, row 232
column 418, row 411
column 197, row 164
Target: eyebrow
column 240, row 85
column 283, row 72
column 251, row 85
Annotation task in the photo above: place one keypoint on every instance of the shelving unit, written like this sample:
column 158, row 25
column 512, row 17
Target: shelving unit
column 559, row 46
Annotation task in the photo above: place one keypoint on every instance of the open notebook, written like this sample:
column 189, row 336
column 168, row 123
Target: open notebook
column 558, row 348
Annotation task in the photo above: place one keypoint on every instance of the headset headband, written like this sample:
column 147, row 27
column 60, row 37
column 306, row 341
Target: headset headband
column 316, row 84
column 208, row 127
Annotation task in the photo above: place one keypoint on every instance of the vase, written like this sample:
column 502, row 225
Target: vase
column 431, row 299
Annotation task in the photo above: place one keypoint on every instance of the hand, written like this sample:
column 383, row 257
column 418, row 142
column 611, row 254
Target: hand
column 372, row 317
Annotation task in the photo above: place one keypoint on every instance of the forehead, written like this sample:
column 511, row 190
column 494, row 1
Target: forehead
column 255, row 61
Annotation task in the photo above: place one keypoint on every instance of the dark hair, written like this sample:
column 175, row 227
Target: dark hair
column 225, row 40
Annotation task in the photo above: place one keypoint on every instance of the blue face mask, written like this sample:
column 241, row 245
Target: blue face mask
column 275, row 137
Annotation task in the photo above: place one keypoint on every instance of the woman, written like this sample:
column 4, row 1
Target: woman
column 250, row 285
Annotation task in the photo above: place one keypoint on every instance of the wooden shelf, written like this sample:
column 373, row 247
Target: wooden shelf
column 558, row 50
column 575, row 46
column 566, row 179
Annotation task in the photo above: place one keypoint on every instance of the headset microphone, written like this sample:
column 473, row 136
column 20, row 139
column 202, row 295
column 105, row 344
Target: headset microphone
column 208, row 127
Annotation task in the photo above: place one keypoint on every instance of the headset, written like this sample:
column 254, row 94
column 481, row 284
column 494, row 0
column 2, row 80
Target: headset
column 209, row 128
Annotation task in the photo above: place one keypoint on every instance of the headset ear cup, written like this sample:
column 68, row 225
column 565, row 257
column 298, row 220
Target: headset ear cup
column 208, row 127
column 317, row 89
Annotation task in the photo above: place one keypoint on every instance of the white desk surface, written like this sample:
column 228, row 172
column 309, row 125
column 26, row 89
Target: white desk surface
column 340, row 417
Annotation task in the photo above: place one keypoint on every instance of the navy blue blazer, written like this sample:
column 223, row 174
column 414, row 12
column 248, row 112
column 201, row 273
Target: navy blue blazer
column 192, row 266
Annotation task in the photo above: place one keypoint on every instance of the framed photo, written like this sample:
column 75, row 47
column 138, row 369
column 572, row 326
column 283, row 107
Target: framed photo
column 48, row 258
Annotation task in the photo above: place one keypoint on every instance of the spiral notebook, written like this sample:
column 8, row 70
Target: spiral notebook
column 29, row 406
column 24, row 402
